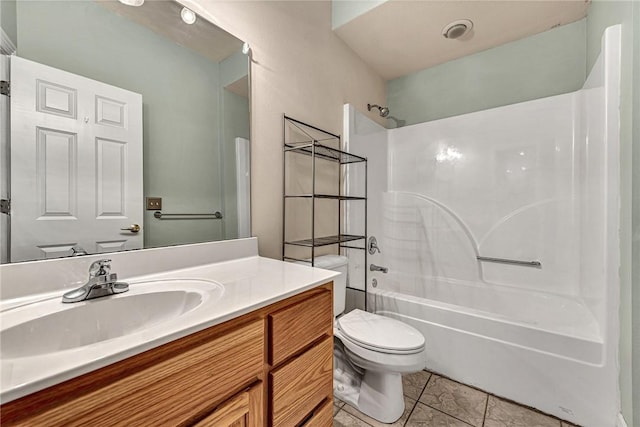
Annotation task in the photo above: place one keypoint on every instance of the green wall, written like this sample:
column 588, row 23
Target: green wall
column 181, row 95
column 343, row 11
column 601, row 15
column 542, row 65
column 233, row 68
column 235, row 124
column 8, row 19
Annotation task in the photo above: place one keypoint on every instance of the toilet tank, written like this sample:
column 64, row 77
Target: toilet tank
column 337, row 263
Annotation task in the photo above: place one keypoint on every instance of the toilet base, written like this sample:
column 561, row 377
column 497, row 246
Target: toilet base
column 381, row 396
column 376, row 394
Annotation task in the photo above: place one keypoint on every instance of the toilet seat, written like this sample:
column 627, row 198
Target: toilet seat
column 381, row 362
column 379, row 333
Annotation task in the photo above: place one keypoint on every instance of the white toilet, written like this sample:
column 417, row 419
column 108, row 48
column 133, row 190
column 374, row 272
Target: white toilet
column 371, row 352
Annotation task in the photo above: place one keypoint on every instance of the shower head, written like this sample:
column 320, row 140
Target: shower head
column 384, row 111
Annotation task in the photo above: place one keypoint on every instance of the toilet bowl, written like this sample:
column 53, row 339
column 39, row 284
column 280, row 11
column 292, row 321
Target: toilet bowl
column 371, row 352
column 380, row 350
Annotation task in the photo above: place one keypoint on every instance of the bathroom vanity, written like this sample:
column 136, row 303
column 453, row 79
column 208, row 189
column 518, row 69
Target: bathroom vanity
column 265, row 361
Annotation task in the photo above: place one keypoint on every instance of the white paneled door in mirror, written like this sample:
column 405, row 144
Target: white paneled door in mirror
column 76, row 156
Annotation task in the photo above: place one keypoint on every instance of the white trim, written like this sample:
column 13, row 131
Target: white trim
column 7, row 47
column 5, row 172
column 621, row 422
column 243, row 186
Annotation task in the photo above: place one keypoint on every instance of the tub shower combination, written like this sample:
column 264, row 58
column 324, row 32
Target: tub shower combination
column 535, row 183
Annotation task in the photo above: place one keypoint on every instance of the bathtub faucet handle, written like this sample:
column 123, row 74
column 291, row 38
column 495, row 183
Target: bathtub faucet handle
column 372, row 245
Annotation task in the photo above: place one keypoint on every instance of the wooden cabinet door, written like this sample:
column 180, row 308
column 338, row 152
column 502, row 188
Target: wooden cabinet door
column 242, row 410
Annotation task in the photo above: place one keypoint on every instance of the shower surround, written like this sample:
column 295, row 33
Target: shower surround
column 535, row 181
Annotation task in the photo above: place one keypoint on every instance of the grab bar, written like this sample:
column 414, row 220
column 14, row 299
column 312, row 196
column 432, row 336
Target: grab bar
column 160, row 215
column 535, row 264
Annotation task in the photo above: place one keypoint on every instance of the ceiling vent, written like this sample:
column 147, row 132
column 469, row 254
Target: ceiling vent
column 457, row 29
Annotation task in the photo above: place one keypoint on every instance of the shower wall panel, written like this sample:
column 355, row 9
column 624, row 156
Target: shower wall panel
column 499, row 183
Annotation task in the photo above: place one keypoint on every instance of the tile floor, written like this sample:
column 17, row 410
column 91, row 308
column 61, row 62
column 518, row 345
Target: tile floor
column 435, row 401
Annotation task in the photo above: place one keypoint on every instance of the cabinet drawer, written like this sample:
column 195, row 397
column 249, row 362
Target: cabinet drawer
column 293, row 328
column 302, row 384
column 322, row 417
column 172, row 391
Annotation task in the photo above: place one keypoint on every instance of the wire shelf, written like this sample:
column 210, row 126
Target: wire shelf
column 325, row 241
column 324, row 152
column 305, row 139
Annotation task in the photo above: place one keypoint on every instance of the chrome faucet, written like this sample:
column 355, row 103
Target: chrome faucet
column 101, row 283
column 374, row 267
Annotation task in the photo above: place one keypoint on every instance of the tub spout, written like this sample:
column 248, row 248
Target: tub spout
column 374, row 267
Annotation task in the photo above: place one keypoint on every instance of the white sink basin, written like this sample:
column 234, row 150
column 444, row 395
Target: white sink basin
column 50, row 326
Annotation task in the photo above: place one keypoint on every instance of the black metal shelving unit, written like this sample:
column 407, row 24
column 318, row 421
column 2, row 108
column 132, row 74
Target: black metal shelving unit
column 303, row 139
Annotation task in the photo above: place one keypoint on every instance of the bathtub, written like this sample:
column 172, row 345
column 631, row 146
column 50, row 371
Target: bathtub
column 539, row 349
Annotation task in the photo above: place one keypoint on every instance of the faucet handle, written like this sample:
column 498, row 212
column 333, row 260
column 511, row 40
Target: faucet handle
column 100, row 268
column 372, row 246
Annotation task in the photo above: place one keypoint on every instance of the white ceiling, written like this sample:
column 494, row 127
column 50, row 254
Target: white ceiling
column 400, row 37
column 163, row 17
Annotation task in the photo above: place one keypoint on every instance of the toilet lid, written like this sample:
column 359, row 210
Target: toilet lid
column 379, row 332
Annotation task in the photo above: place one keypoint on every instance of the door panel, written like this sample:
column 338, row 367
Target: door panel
column 111, row 158
column 114, row 246
column 110, row 112
column 55, row 251
column 76, row 155
column 56, row 99
column 56, row 165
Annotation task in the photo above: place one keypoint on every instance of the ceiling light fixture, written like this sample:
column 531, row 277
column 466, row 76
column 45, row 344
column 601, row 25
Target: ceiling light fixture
column 132, row 2
column 188, row 15
column 457, row 29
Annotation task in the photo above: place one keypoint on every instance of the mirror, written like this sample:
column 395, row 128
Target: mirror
column 113, row 108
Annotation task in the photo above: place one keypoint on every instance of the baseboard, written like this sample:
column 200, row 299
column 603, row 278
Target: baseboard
column 621, row 422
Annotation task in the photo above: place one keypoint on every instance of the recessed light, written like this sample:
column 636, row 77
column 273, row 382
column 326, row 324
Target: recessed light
column 457, row 29
column 188, row 15
column 132, row 2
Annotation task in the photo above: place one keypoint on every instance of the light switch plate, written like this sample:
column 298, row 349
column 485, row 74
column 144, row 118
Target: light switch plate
column 154, row 203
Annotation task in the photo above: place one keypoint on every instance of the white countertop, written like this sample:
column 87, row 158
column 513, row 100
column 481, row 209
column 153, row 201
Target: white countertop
column 249, row 283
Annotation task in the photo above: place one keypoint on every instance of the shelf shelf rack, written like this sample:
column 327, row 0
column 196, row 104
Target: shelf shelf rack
column 304, row 139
